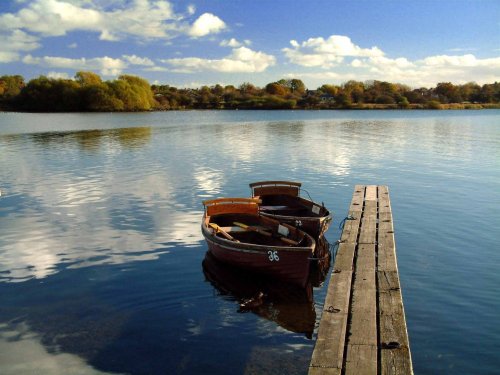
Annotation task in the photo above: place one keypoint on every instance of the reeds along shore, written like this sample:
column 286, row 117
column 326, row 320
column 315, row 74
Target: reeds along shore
column 88, row 93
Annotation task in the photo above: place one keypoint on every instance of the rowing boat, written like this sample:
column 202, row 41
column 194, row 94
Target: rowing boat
column 237, row 234
column 281, row 200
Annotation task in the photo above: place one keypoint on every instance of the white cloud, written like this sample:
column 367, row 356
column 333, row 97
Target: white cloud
column 58, row 75
column 156, row 69
column 445, row 60
column 431, row 70
column 139, row 18
column 15, row 42
column 72, row 45
column 8, row 56
column 233, row 43
column 191, row 9
column 326, row 52
column 354, row 62
column 241, row 60
column 106, row 65
column 206, row 24
column 136, row 60
column 230, row 43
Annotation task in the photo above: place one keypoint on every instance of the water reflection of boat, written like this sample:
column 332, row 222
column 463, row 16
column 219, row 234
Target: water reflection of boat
column 236, row 234
column 281, row 200
column 288, row 305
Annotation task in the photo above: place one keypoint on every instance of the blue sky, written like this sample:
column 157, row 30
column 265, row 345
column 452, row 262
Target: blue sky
column 205, row 42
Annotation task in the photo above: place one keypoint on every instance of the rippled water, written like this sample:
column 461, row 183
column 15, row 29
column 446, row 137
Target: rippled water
column 102, row 262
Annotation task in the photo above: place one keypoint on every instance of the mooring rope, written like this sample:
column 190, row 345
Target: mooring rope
column 342, row 223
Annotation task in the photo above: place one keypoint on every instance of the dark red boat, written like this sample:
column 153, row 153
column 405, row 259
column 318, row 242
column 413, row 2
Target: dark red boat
column 236, row 234
column 281, row 200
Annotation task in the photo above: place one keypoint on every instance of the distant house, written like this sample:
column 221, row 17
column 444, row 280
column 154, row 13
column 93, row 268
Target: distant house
column 322, row 96
column 327, row 98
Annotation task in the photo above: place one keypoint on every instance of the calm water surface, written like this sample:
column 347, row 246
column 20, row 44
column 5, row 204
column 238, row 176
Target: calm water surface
column 103, row 268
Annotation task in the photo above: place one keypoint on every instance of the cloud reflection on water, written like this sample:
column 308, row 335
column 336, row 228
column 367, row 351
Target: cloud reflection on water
column 84, row 211
column 22, row 352
column 114, row 196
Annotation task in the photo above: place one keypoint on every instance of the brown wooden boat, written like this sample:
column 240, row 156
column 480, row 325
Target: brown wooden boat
column 236, row 234
column 281, row 200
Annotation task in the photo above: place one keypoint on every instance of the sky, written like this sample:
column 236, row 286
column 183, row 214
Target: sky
column 229, row 42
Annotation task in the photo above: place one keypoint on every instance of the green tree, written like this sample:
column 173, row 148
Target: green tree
column 448, row 93
column 101, row 98
column 87, row 78
column 44, row 94
column 330, row 89
column 134, row 92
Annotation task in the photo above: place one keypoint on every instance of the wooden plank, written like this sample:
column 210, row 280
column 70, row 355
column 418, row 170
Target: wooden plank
column 396, row 361
column 368, row 230
column 387, row 281
column 324, row 371
column 361, row 360
column 344, row 258
column 336, row 303
column 392, row 321
column 371, row 193
column 395, row 357
column 351, row 228
column 363, row 310
column 386, row 244
column 329, row 349
column 384, row 204
column 365, row 259
column 357, row 198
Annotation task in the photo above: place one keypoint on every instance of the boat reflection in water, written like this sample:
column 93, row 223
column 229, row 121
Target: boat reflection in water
column 287, row 304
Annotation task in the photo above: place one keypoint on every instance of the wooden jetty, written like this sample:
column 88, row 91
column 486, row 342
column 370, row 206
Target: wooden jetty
column 363, row 327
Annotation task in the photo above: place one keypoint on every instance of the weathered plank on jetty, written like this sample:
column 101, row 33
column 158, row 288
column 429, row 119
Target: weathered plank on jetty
column 363, row 327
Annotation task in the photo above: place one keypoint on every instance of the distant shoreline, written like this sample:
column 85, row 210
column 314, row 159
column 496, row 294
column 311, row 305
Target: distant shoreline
column 357, row 107
column 89, row 93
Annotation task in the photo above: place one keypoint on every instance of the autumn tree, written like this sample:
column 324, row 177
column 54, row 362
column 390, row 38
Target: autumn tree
column 11, row 86
column 87, row 78
column 275, row 88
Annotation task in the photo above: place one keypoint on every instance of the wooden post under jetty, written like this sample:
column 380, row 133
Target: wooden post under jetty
column 363, row 327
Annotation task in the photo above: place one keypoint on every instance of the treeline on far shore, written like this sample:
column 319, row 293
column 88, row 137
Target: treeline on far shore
column 88, row 92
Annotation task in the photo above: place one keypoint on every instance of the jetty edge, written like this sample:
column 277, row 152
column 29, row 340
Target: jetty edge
column 363, row 327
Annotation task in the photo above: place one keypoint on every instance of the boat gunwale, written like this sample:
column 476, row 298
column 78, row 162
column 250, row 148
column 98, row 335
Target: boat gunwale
column 256, row 248
column 275, row 183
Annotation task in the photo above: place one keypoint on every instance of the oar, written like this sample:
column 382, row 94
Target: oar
column 224, row 233
column 265, row 233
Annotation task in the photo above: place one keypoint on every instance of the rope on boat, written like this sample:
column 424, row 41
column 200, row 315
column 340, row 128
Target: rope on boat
column 307, row 194
column 342, row 223
column 332, row 252
column 325, row 257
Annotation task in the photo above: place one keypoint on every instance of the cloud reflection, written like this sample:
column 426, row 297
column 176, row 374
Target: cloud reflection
column 73, row 210
column 22, row 352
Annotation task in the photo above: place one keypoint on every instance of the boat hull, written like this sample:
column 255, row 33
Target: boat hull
column 281, row 262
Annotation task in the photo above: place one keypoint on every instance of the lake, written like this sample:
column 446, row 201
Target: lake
column 103, row 268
